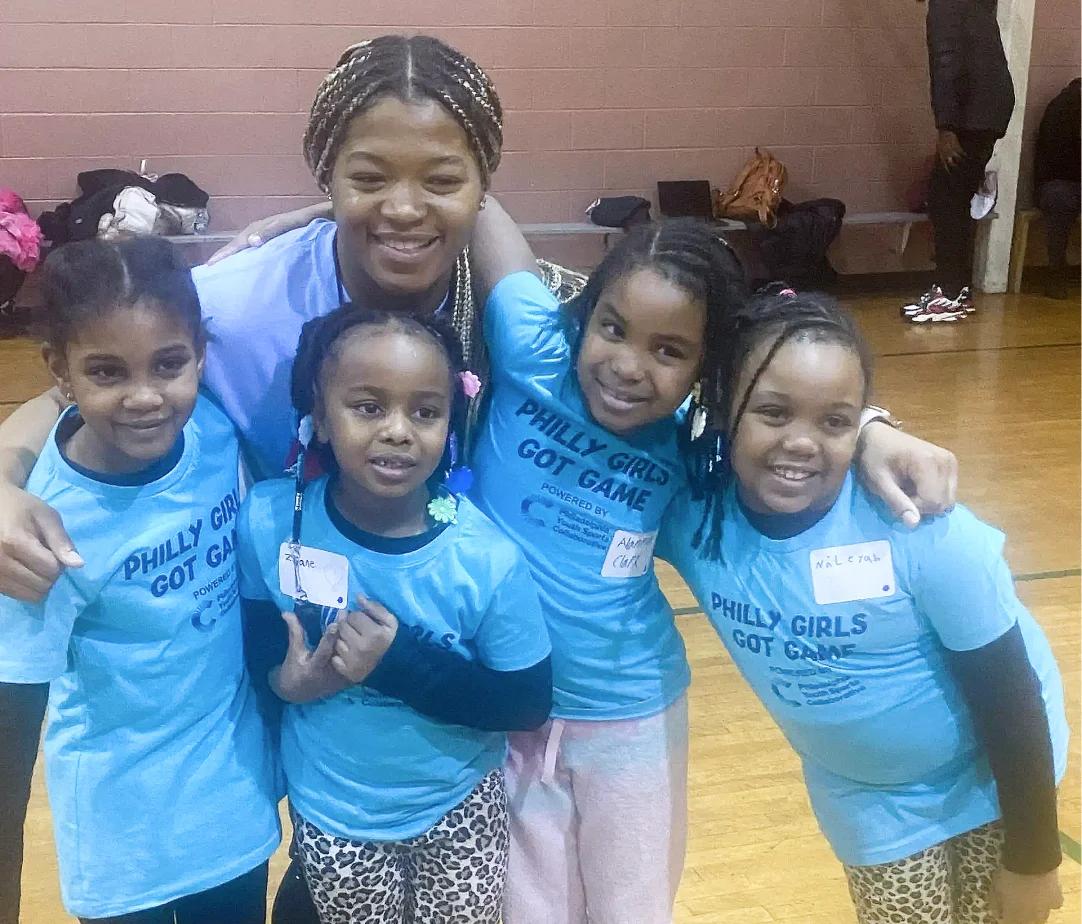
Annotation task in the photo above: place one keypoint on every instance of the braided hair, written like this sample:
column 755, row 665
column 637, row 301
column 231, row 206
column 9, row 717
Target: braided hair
column 778, row 318
column 85, row 280
column 321, row 340
column 412, row 68
column 690, row 254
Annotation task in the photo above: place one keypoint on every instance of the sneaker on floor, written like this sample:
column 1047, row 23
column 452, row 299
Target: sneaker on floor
column 965, row 301
column 919, row 306
column 934, row 306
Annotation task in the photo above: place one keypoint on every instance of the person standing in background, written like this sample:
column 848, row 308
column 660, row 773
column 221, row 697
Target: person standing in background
column 1056, row 179
column 972, row 99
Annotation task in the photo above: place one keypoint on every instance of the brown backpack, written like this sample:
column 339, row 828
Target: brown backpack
column 756, row 193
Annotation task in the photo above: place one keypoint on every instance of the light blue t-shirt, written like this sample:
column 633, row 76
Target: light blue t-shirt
column 584, row 506
column 861, row 687
column 362, row 765
column 160, row 772
column 255, row 304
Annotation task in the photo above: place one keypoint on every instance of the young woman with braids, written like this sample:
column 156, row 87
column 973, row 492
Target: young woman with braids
column 392, row 737
column 921, row 696
column 404, row 136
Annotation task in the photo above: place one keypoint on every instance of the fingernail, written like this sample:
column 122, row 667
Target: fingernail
column 254, row 240
column 911, row 518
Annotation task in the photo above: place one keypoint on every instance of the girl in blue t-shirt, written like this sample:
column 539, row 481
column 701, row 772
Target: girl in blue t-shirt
column 153, row 737
column 393, row 736
column 921, row 696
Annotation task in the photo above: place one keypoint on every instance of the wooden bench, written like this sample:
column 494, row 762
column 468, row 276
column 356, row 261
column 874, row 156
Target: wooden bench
column 905, row 220
column 535, row 230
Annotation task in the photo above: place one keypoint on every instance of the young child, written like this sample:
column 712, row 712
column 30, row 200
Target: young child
column 921, row 696
column 153, row 738
column 577, row 460
column 393, row 738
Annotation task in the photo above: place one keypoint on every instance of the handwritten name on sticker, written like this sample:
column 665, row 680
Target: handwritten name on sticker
column 844, row 573
column 629, row 554
column 313, row 575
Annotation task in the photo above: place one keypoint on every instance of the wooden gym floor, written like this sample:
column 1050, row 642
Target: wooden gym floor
column 1002, row 390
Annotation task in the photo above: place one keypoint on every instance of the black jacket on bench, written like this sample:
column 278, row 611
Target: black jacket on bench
column 972, row 90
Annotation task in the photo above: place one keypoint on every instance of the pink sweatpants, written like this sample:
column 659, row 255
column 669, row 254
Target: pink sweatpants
column 598, row 820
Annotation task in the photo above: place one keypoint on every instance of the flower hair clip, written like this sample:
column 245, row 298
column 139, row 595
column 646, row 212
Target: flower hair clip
column 471, row 384
column 443, row 509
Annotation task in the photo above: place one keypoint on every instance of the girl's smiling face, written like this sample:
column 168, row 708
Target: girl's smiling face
column 641, row 350
column 795, row 441
column 134, row 373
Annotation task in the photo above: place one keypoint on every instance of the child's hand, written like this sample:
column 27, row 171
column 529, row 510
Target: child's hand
column 1020, row 899
column 364, row 636
column 306, row 675
column 911, row 476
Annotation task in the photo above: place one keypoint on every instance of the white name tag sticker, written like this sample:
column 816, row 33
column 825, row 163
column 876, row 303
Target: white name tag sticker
column 313, row 575
column 844, row 573
column 629, row 554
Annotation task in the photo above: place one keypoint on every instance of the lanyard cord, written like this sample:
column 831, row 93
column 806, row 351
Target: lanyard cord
column 298, row 497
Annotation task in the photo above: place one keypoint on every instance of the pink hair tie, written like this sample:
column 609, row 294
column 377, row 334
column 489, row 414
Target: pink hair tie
column 471, row 384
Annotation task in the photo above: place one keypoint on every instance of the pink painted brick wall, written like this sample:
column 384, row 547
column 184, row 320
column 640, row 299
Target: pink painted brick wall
column 603, row 96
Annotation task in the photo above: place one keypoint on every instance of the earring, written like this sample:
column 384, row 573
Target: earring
column 484, row 202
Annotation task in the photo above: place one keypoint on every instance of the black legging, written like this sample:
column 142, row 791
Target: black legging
column 293, row 904
column 240, row 901
column 22, row 709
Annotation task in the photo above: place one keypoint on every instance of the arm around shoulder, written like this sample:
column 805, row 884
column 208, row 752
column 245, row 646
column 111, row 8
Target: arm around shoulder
column 498, row 248
column 23, row 435
column 34, row 546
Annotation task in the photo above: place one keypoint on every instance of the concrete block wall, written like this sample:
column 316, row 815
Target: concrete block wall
column 604, row 97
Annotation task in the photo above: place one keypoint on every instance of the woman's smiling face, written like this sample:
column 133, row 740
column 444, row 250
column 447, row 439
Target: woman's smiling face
column 406, row 189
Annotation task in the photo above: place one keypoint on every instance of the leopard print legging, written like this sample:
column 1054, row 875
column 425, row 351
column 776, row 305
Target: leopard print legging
column 945, row 884
column 452, row 874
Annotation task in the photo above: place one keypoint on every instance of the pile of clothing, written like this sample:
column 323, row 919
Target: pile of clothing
column 114, row 202
column 20, row 247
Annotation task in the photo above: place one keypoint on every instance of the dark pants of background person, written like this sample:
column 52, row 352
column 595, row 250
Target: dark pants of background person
column 1060, row 201
column 949, row 194
column 293, row 904
column 240, row 901
column 22, row 709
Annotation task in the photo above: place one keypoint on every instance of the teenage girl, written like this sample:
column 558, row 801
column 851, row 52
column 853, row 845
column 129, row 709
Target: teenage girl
column 921, row 696
column 153, row 737
column 393, row 739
